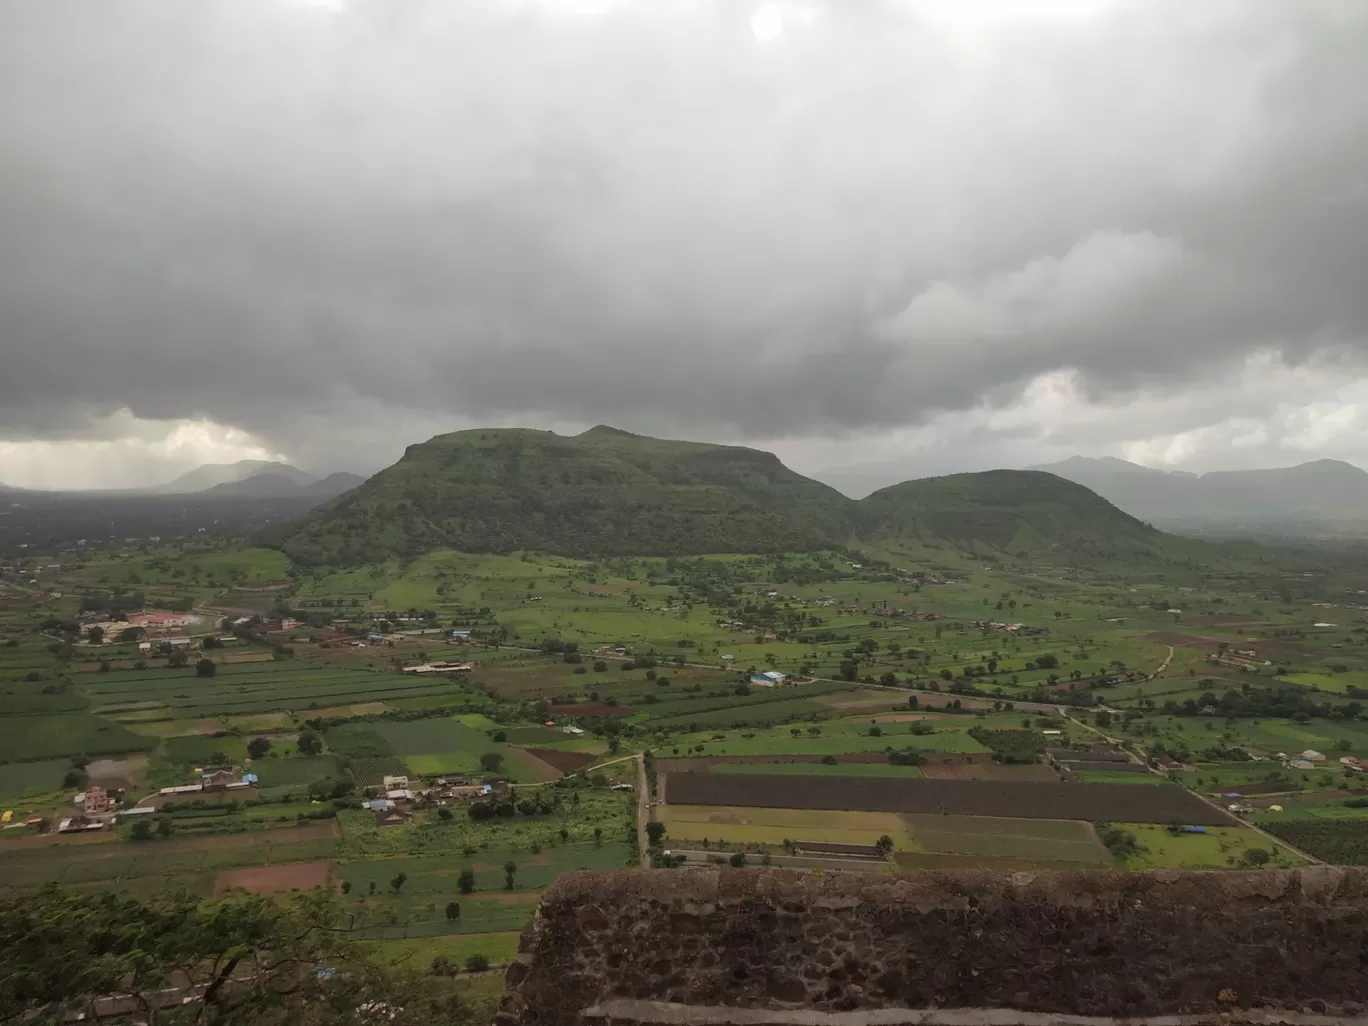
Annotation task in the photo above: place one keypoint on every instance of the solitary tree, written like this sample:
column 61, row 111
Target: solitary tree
column 205, row 668
column 309, row 743
column 453, row 910
column 142, row 831
column 598, row 836
column 465, row 882
column 258, row 747
column 738, row 859
column 398, row 881
column 655, row 831
column 476, row 964
column 510, row 871
column 96, row 635
column 491, row 761
column 884, row 844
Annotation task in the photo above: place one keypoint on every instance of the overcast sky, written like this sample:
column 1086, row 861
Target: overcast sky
column 884, row 238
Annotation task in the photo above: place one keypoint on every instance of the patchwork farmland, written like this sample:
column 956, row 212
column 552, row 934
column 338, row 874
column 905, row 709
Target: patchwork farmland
column 1010, row 799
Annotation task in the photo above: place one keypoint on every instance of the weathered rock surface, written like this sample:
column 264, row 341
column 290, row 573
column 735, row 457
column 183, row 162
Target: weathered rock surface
column 725, row 946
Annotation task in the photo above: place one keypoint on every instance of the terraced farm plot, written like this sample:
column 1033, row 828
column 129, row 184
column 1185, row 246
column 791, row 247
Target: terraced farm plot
column 1007, row 799
column 1343, row 842
column 22, row 778
column 260, row 688
column 1030, row 839
column 358, row 741
column 34, row 738
column 781, row 742
column 817, row 769
column 161, row 864
column 294, row 770
column 774, row 826
column 434, row 736
column 371, row 772
column 199, row 749
column 534, row 736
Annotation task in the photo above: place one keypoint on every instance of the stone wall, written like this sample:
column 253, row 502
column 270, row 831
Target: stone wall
column 761, row 945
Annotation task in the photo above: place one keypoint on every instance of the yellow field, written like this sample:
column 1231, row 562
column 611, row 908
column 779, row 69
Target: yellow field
column 355, row 709
column 774, row 826
column 853, row 701
column 177, row 728
column 260, row 721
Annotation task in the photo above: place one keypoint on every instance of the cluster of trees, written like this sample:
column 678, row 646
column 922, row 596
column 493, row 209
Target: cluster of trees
column 1288, row 702
column 507, row 806
column 250, row 959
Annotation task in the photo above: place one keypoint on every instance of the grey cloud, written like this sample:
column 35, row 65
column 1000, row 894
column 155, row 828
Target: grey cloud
column 333, row 227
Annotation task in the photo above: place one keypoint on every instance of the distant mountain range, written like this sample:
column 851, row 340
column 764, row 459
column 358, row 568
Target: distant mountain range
column 259, row 478
column 1319, row 497
column 214, row 475
column 243, row 479
column 608, row 492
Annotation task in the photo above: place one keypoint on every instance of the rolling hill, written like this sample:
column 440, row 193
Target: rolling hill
column 213, row 475
column 604, row 492
column 608, row 492
column 1018, row 513
column 270, row 484
column 1312, row 496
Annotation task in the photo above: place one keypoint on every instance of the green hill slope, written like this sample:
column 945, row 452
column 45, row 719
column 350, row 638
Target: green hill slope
column 605, row 492
column 1018, row 513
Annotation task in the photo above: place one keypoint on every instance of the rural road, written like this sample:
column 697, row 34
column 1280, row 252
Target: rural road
column 643, row 811
column 696, row 857
column 1276, row 842
column 1162, row 666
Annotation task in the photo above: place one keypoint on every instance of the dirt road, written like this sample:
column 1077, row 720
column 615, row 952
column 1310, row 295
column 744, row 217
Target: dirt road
column 643, row 811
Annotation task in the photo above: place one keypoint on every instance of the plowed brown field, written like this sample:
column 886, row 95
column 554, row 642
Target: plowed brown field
column 1124, row 803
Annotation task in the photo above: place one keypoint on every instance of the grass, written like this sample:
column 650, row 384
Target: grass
column 612, row 813
column 500, row 948
column 1218, row 848
column 1038, row 839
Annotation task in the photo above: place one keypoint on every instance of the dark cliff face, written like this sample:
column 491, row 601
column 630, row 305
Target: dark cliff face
column 614, row 947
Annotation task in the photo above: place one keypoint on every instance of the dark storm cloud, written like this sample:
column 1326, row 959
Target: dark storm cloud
column 314, row 223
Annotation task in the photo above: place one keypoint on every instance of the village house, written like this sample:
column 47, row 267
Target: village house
column 95, row 801
column 768, row 679
column 393, row 817
column 79, row 824
column 1311, row 755
column 216, row 780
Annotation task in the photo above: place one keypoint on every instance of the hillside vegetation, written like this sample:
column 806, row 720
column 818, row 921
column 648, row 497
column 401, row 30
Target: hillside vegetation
column 607, row 492
column 1022, row 513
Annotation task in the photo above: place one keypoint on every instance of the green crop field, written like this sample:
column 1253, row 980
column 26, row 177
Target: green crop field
column 775, row 743
column 31, row 738
column 358, row 741
column 23, row 778
column 201, row 749
column 1030, row 839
